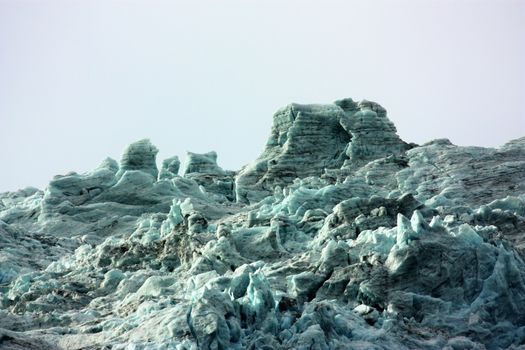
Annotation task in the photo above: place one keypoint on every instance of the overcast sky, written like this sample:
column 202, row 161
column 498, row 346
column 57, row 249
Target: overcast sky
column 79, row 80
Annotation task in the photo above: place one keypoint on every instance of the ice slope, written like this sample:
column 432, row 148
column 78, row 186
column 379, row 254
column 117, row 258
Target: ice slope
column 338, row 236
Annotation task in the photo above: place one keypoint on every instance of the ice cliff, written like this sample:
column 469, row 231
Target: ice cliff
column 340, row 235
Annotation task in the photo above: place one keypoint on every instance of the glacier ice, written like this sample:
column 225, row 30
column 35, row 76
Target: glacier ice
column 340, row 235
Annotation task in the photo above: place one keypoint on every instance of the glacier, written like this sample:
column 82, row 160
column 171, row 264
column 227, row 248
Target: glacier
column 340, row 235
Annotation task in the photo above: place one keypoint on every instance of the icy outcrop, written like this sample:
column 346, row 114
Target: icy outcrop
column 340, row 235
column 139, row 156
column 170, row 168
column 373, row 134
column 203, row 169
column 203, row 163
column 306, row 140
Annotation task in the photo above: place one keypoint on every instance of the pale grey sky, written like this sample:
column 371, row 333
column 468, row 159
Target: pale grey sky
column 79, row 80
